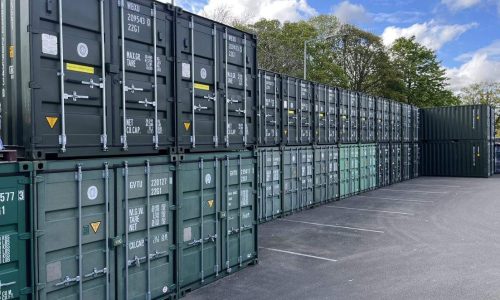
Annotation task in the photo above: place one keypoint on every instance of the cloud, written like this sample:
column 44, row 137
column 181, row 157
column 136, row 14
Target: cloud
column 456, row 5
column 254, row 10
column 482, row 65
column 351, row 13
column 398, row 17
column 430, row 34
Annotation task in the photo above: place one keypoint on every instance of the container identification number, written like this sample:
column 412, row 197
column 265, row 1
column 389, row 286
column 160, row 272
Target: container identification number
column 5, row 249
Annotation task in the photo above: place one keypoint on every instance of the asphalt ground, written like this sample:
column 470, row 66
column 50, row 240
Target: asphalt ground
column 428, row 238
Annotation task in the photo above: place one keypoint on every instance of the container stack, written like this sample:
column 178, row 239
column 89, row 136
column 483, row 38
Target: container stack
column 458, row 141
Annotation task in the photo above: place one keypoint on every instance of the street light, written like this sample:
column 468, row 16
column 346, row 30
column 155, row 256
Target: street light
column 305, row 50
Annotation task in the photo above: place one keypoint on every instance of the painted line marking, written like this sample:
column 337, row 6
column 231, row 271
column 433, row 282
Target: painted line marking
column 395, row 199
column 431, row 185
column 333, row 226
column 372, row 210
column 299, row 254
column 413, row 191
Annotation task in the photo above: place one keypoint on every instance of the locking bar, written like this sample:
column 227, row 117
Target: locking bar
column 95, row 272
column 155, row 68
column 106, row 196
column 202, row 221
column 214, row 98
column 127, row 225
column 68, row 281
column 102, row 85
column 62, row 137
column 245, row 129
column 79, row 178
column 148, row 226
column 125, row 88
column 193, row 90
column 146, row 103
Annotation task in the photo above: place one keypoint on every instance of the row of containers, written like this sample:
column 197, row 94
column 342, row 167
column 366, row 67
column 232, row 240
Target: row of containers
column 458, row 141
column 161, row 226
column 139, row 77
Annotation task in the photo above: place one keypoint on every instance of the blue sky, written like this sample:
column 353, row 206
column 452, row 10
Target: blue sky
column 464, row 33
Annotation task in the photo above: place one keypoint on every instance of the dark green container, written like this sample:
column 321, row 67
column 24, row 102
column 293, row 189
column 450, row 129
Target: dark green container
column 15, row 231
column 458, row 159
column 217, row 213
column 415, row 164
column 105, row 228
column 269, row 183
column 415, row 124
column 384, row 164
column 406, row 123
column 298, row 178
column 326, row 170
column 367, row 167
column 383, row 120
column 396, row 163
column 395, row 121
column 349, row 170
column 367, row 118
column 348, row 117
column 406, row 161
column 471, row 122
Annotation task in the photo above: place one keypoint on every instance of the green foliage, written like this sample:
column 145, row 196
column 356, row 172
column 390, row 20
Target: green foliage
column 422, row 74
column 483, row 93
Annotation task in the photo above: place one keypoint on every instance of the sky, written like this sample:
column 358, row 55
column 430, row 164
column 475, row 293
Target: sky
column 464, row 33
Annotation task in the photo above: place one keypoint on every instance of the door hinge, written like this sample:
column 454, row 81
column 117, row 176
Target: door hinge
column 172, row 207
column 172, row 247
column 26, row 291
column 39, row 179
column 24, row 236
column 39, row 233
column 40, row 286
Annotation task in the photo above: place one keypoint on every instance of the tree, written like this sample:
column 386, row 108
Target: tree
column 483, row 93
column 422, row 74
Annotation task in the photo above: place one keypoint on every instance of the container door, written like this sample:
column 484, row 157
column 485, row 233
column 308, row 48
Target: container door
column 239, row 74
column 290, row 180
column 306, row 177
column 270, row 114
column 354, row 117
column 333, row 173
column 371, row 119
column 198, row 83
column 344, row 116
column 320, row 175
column 145, row 262
column 321, row 114
column 345, row 171
column 239, row 229
column 269, row 184
column 71, row 98
column 291, row 111
column 198, row 227
column 144, row 89
column 15, row 255
column 75, row 221
column 306, row 113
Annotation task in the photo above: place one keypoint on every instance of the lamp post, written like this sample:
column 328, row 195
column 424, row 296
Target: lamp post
column 305, row 50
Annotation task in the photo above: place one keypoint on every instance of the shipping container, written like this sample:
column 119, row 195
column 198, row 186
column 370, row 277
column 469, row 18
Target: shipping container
column 415, row 124
column 406, row 123
column 396, row 164
column 349, row 170
column 367, row 167
column 216, row 216
column 406, row 161
column 269, row 109
column 16, row 261
column 471, row 122
column 106, row 229
column 269, row 183
column 384, row 164
column 395, row 121
column 472, row 158
column 326, row 114
column 297, row 117
column 216, row 85
column 298, row 178
column 497, row 159
column 383, row 120
column 367, row 117
column 85, row 72
column 326, row 170
column 349, row 117
column 415, row 165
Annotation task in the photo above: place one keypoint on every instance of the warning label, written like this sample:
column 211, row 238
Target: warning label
column 95, row 226
column 52, row 121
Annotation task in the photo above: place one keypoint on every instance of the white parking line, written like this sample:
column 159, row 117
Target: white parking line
column 431, row 185
column 396, row 199
column 299, row 254
column 413, row 191
column 372, row 210
column 333, row 226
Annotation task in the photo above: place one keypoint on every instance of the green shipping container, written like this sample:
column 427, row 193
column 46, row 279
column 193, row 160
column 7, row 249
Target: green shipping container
column 105, row 229
column 217, row 213
column 349, row 170
column 269, row 183
column 367, row 167
column 298, row 182
column 415, row 165
column 15, row 236
column 406, row 161
column 384, row 165
column 396, row 165
column 326, row 179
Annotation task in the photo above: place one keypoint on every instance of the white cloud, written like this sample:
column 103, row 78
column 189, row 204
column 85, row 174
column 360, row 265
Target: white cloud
column 253, row 10
column 430, row 34
column 350, row 13
column 482, row 65
column 456, row 5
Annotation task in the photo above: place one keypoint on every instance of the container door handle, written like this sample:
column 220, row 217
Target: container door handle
column 195, row 242
column 200, row 108
column 136, row 261
column 157, row 254
column 211, row 238
column 74, row 96
column 146, row 103
column 68, row 280
column 92, row 84
column 132, row 89
column 95, row 272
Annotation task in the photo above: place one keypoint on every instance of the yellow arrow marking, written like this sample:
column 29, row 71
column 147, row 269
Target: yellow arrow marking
column 187, row 125
column 52, row 121
column 95, row 226
column 210, row 203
